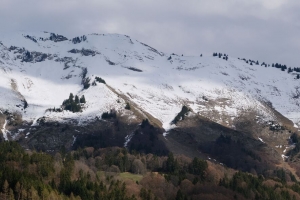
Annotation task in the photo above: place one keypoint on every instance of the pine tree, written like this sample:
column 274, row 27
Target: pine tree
column 53, row 184
column 172, row 164
column 32, row 193
column 72, row 197
column 11, row 195
column 100, row 80
column 18, row 190
column 82, row 99
column 97, row 194
column 179, row 195
column 45, row 193
column 5, row 189
column 71, row 97
column 25, row 104
column 76, row 99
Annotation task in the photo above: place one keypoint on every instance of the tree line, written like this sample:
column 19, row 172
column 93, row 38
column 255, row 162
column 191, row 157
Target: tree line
column 90, row 173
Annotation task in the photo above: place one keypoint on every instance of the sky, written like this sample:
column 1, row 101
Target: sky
column 263, row 30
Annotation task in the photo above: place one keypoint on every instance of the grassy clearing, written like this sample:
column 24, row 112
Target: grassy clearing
column 101, row 174
column 134, row 177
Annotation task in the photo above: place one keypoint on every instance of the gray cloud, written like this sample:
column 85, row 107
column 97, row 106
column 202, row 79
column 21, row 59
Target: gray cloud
column 259, row 29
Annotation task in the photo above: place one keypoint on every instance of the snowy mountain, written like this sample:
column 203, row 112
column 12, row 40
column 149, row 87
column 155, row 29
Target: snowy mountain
column 40, row 70
column 43, row 68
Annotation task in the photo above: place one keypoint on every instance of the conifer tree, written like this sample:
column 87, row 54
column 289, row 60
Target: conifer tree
column 18, row 190
column 5, row 189
column 71, row 97
column 82, row 99
column 76, row 99
column 11, row 195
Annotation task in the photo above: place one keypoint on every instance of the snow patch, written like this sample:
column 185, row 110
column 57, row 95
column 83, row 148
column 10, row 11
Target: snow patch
column 4, row 131
column 284, row 157
column 284, row 150
column 261, row 140
column 35, row 123
column 168, row 127
column 74, row 140
column 127, row 139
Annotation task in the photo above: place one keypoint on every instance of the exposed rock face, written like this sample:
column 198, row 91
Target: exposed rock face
column 31, row 38
column 77, row 40
column 28, row 56
column 57, row 38
column 84, row 52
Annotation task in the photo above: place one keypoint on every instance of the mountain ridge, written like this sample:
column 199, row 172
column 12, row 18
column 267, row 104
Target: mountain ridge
column 236, row 84
column 40, row 70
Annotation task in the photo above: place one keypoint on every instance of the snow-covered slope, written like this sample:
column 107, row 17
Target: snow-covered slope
column 43, row 69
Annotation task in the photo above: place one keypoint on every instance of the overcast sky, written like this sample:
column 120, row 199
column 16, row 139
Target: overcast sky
column 264, row 30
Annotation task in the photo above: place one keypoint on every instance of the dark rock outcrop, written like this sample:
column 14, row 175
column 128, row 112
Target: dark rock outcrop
column 57, row 38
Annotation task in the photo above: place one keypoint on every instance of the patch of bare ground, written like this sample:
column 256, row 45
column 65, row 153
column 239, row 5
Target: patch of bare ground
column 274, row 134
column 285, row 122
column 213, row 113
column 178, row 148
column 236, row 149
column 140, row 113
